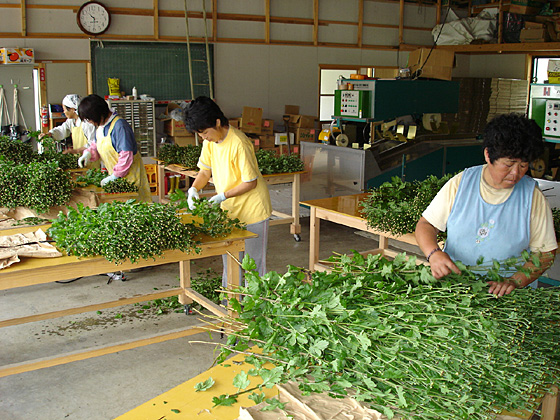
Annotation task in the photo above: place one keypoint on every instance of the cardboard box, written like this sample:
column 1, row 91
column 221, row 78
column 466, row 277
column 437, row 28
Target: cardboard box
column 184, row 140
column 302, row 121
column 267, row 127
column 526, row 7
column 265, row 141
column 306, row 134
column 386, row 73
column 438, row 66
column 173, row 127
column 282, row 138
column 553, row 71
column 17, row 56
column 234, row 122
column 532, row 35
column 251, row 120
column 291, row 109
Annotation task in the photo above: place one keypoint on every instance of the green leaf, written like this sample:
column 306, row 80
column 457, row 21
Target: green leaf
column 273, row 404
column 241, row 380
column 224, row 400
column 257, row 398
column 205, row 385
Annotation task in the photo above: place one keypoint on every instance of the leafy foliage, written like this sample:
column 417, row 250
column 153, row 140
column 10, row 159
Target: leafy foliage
column 186, row 156
column 95, row 176
column 35, row 185
column 556, row 220
column 132, row 230
column 395, row 207
column 216, row 221
column 405, row 343
column 270, row 163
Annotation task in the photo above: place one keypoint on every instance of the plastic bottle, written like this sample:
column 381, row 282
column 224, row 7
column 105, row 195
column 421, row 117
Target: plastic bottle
column 135, row 92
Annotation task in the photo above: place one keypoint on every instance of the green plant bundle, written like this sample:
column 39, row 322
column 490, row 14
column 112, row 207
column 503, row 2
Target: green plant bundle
column 186, row 156
column 120, row 185
column 95, row 176
column 120, row 231
column 271, row 163
column 18, row 152
column 132, row 230
column 395, row 207
column 399, row 340
column 38, row 186
column 91, row 177
column 15, row 150
column 556, row 220
column 216, row 222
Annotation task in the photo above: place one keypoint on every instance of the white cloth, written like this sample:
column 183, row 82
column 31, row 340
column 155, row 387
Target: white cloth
column 72, row 101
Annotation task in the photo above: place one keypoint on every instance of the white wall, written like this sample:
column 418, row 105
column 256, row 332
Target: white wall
column 267, row 76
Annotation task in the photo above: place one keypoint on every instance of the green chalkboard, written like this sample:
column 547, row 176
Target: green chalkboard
column 158, row 69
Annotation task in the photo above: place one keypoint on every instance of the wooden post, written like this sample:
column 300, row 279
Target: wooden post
column 315, row 22
column 401, row 22
column 267, row 21
column 23, row 18
column 360, row 23
column 156, row 19
column 314, row 231
column 185, row 281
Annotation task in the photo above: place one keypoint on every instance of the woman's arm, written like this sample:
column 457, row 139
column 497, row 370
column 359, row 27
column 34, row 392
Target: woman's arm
column 519, row 279
column 440, row 262
column 241, row 189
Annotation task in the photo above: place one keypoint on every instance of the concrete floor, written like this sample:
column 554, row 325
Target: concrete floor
column 105, row 387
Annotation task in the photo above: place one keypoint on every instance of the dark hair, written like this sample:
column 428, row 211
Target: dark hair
column 93, row 108
column 513, row 136
column 202, row 113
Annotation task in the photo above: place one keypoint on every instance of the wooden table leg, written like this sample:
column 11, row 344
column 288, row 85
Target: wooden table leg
column 550, row 405
column 314, row 230
column 161, row 182
column 233, row 279
column 295, row 228
column 185, row 281
column 383, row 243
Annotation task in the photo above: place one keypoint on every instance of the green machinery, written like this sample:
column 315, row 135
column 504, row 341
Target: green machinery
column 380, row 99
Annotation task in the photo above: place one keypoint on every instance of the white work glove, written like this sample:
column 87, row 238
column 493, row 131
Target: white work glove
column 108, row 179
column 84, row 160
column 192, row 195
column 218, row 198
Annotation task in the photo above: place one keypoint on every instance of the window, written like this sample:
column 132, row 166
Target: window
column 539, row 71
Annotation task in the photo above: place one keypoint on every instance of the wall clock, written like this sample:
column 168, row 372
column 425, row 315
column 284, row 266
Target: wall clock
column 93, row 18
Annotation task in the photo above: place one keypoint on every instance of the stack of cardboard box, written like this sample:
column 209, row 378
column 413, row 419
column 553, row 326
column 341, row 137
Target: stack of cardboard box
column 176, row 130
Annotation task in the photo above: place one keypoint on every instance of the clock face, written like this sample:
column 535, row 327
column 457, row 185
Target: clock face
column 93, row 18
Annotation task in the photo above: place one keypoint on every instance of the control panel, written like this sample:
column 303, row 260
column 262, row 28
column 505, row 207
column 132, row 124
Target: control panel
column 552, row 119
column 352, row 103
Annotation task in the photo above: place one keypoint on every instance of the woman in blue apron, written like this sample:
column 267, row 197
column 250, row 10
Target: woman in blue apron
column 494, row 211
column 114, row 144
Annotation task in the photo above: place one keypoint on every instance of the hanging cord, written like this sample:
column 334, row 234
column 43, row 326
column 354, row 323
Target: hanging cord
column 419, row 71
column 4, row 112
column 210, row 87
column 189, row 50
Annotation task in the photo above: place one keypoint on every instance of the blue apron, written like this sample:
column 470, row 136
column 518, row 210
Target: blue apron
column 477, row 229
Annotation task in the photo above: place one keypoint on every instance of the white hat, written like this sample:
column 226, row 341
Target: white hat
column 71, row 101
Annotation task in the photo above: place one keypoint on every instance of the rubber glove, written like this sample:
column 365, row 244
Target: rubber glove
column 108, row 179
column 192, row 195
column 84, row 160
column 218, row 198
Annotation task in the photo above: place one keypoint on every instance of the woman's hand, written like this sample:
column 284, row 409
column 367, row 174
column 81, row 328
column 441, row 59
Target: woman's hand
column 501, row 288
column 442, row 265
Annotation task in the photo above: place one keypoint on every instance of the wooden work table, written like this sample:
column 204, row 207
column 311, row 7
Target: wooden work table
column 34, row 271
column 292, row 178
column 345, row 210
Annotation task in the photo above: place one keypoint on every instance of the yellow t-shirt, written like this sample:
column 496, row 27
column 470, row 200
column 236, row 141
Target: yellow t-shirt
column 542, row 239
column 233, row 161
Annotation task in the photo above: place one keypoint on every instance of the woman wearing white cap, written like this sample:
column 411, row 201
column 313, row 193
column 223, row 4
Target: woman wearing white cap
column 83, row 133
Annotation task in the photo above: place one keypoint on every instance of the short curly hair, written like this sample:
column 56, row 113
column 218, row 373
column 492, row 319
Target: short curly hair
column 513, row 136
column 201, row 114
